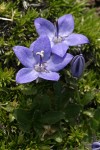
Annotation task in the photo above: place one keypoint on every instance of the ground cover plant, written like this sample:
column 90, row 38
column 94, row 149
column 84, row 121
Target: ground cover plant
column 50, row 92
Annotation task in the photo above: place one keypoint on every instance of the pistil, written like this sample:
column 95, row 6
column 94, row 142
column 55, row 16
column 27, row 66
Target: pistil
column 40, row 67
column 41, row 54
column 57, row 38
column 57, row 29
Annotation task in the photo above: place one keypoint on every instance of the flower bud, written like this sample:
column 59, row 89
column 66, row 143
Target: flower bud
column 77, row 65
column 96, row 146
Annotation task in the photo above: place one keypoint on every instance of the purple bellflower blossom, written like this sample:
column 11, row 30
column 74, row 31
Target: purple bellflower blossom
column 39, row 62
column 61, row 34
column 96, row 146
column 77, row 65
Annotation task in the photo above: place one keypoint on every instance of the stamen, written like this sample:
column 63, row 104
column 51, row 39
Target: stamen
column 41, row 68
column 57, row 39
column 40, row 53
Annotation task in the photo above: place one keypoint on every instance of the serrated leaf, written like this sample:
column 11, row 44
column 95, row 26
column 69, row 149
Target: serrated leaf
column 24, row 118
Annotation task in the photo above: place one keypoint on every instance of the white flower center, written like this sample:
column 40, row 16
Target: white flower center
column 41, row 66
column 57, row 39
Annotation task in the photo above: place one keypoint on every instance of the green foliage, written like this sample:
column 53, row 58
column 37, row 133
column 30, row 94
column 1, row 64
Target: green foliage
column 48, row 115
column 6, row 76
column 24, row 118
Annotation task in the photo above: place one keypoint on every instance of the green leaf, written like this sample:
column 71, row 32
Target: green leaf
column 42, row 102
column 57, row 88
column 88, row 113
column 97, row 114
column 87, row 98
column 62, row 95
column 29, row 90
column 94, row 124
column 24, row 118
column 45, row 103
column 45, row 148
column 52, row 117
column 38, row 126
column 58, row 139
column 72, row 111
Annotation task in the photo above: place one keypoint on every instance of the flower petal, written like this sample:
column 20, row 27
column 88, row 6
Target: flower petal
column 25, row 56
column 42, row 44
column 65, row 25
column 44, row 27
column 76, row 39
column 49, row 76
column 32, row 46
column 60, row 49
column 26, row 75
column 57, row 63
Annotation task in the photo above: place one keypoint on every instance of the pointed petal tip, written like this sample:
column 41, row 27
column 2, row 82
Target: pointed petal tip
column 76, row 39
column 57, row 63
column 14, row 48
column 26, row 75
column 44, row 27
column 66, row 25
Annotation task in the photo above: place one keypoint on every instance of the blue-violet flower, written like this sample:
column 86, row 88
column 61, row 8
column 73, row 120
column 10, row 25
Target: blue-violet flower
column 38, row 61
column 61, row 34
